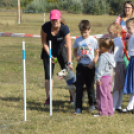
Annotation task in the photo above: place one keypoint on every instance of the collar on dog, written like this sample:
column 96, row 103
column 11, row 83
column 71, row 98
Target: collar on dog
column 69, row 82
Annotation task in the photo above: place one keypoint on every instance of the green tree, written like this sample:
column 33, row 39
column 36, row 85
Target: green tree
column 24, row 3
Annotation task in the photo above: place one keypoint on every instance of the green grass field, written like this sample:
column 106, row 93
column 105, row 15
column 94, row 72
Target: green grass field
column 11, row 84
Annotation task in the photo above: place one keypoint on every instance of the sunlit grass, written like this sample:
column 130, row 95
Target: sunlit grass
column 11, row 84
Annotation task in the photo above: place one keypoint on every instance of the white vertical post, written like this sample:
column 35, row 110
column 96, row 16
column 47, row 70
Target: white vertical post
column 50, row 63
column 18, row 11
column 24, row 77
column 44, row 17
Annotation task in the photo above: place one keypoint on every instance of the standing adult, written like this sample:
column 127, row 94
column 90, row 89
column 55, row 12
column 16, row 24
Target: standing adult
column 128, row 12
column 56, row 31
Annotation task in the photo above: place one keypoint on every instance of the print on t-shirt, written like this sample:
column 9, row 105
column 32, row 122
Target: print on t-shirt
column 84, row 51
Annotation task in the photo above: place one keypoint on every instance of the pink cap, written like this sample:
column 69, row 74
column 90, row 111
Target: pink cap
column 55, row 14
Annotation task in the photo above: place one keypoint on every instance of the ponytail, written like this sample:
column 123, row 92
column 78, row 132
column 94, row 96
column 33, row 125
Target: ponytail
column 63, row 21
column 107, row 43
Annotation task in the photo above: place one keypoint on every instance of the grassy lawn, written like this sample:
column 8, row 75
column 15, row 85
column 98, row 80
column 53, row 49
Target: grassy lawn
column 11, row 84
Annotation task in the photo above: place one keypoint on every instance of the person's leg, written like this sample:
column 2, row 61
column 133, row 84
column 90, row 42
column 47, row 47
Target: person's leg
column 109, row 96
column 89, row 79
column 79, row 85
column 131, row 102
column 103, row 108
column 47, row 87
column 115, row 98
column 47, row 77
column 118, row 105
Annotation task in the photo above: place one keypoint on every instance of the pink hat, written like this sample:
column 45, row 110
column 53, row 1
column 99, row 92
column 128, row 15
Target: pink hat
column 55, row 14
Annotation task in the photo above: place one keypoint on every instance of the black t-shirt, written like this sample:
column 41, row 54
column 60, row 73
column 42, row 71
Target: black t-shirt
column 59, row 38
column 58, row 41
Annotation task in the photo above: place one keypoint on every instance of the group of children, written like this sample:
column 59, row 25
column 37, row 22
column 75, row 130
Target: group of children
column 109, row 56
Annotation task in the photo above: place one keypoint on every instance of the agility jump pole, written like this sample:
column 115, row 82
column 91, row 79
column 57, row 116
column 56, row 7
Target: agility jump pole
column 24, row 78
column 18, row 11
column 9, row 34
column 50, row 80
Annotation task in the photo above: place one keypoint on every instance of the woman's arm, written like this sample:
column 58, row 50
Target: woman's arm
column 44, row 41
column 118, row 19
column 69, row 51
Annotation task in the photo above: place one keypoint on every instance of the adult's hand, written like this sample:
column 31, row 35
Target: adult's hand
column 70, row 66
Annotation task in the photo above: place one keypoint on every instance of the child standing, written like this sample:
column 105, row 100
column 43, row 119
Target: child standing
column 129, row 81
column 120, row 69
column 84, row 48
column 103, row 78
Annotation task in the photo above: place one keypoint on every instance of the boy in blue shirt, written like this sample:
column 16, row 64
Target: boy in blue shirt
column 84, row 48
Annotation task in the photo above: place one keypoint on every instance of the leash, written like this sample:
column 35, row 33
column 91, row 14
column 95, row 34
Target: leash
column 123, row 40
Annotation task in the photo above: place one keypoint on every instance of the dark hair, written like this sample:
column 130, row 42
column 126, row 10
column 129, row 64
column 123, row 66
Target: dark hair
column 107, row 43
column 130, row 3
column 84, row 25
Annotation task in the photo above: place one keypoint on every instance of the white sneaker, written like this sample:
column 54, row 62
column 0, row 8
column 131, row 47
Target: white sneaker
column 96, row 115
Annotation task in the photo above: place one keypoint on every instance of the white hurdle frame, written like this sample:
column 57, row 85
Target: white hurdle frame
column 50, row 69
column 24, row 78
column 18, row 11
column 44, row 17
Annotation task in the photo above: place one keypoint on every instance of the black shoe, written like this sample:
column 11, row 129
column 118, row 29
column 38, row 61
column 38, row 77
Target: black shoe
column 127, row 111
column 119, row 110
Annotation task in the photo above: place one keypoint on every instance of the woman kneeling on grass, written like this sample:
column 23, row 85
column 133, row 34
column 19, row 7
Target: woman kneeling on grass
column 59, row 34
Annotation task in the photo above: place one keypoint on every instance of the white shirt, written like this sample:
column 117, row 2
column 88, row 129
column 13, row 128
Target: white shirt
column 118, row 49
column 86, row 48
column 131, row 46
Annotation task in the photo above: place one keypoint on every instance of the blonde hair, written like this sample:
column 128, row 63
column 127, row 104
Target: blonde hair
column 63, row 21
column 115, row 27
column 107, row 43
column 131, row 20
column 130, row 3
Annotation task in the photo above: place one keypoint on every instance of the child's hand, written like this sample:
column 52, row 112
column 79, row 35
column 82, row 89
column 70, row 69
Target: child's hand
column 91, row 65
column 98, row 82
column 78, row 58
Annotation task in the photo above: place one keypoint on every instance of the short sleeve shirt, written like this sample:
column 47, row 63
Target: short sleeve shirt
column 131, row 46
column 86, row 48
column 59, row 38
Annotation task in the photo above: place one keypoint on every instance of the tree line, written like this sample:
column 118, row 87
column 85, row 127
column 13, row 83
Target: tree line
column 94, row 7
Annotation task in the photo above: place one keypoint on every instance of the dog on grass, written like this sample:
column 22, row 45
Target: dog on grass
column 70, row 79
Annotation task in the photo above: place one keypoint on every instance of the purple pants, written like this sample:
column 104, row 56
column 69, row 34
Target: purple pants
column 104, row 97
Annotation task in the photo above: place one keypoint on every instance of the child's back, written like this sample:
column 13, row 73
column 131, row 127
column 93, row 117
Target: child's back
column 105, row 65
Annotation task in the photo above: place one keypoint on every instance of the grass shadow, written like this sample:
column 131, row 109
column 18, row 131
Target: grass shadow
column 15, row 99
column 58, row 106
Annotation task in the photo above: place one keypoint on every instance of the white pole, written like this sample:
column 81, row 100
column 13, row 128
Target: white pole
column 44, row 17
column 18, row 11
column 50, row 63
column 24, row 77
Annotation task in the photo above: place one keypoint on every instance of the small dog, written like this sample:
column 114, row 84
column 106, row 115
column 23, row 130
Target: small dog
column 70, row 79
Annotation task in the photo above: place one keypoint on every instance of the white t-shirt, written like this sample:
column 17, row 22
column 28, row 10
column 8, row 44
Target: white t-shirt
column 131, row 46
column 86, row 48
column 118, row 49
